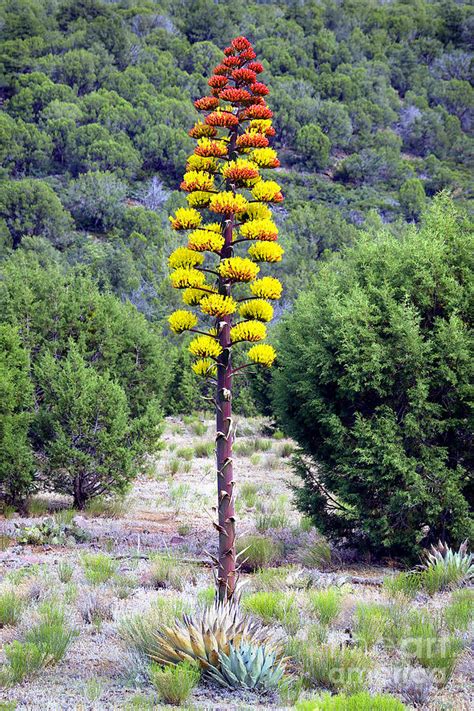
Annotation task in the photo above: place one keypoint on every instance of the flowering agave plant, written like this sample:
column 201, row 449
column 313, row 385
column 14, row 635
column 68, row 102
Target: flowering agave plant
column 229, row 196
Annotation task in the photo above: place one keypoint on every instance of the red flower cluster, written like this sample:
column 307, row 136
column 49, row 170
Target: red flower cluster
column 207, row 103
column 217, row 81
column 236, row 96
column 246, row 76
column 221, row 118
column 258, row 112
column 252, row 140
column 260, row 88
column 256, row 67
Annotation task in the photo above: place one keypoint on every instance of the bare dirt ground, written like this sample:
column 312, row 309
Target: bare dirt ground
column 170, row 508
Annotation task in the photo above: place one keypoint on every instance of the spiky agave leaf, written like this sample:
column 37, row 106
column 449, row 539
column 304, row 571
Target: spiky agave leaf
column 249, row 665
column 458, row 566
column 204, row 639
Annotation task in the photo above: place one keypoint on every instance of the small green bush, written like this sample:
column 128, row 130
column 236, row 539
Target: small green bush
column 174, row 684
column 11, row 607
column 204, row 449
column 24, row 659
column 272, row 607
column 65, row 571
column 259, row 551
column 326, row 604
column 369, row 624
column 317, row 554
column 166, row 571
column 357, row 702
column 460, row 612
column 341, row 669
column 248, row 492
column 98, row 567
column 426, row 645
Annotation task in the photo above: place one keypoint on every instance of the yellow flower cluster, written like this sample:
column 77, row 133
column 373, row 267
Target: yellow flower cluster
column 198, row 199
column 265, row 230
column 262, row 354
column 204, row 367
column 204, row 239
column 184, row 257
column 241, row 171
column 205, row 347
column 182, row 320
column 266, row 252
column 197, row 180
column 194, row 162
column 257, row 309
column 218, row 305
column 185, row 218
column 228, row 202
column 192, row 297
column 264, row 157
column 185, row 277
column 258, row 211
column 248, row 331
column 266, row 288
column 260, row 125
column 266, row 190
column 239, row 269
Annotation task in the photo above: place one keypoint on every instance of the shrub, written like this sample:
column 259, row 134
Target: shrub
column 249, row 494
column 98, row 567
column 313, row 145
column 326, row 604
column 356, row 702
column 316, row 554
column 16, row 405
column 96, row 200
column 340, row 669
column 273, row 607
column 257, row 551
column 167, row 571
column 24, row 658
column 428, row 647
column 266, row 521
column 204, row 449
column 174, row 684
column 373, row 386
column 51, row 636
column 107, row 506
column 406, row 584
column 57, row 312
column 65, row 571
column 369, row 623
column 460, row 612
column 88, row 453
column 11, row 607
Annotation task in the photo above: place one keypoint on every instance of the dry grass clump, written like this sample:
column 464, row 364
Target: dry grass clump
column 258, row 551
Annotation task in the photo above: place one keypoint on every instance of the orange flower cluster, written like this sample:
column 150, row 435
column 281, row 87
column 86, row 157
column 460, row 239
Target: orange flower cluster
column 222, row 118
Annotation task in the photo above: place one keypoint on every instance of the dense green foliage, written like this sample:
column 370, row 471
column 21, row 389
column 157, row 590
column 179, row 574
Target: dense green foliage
column 16, row 405
column 376, row 362
column 98, row 371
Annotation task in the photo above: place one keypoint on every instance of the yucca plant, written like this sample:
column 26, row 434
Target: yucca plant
column 203, row 639
column 446, row 568
column 251, row 666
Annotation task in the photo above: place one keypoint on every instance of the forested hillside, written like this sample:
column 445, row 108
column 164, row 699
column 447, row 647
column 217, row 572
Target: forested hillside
column 373, row 110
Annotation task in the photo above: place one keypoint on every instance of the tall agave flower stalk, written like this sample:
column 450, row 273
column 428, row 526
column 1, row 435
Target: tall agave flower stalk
column 228, row 195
